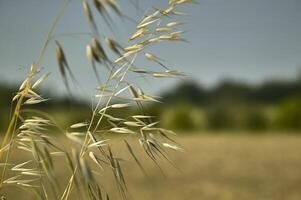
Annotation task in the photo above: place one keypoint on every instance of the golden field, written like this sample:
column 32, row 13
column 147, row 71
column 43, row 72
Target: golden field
column 213, row 167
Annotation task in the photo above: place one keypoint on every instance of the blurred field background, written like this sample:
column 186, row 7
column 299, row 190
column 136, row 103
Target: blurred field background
column 238, row 117
column 241, row 142
column 213, row 167
column 231, row 106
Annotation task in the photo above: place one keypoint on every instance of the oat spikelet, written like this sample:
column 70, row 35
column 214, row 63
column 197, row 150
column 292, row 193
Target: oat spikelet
column 114, row 6
column 100, row 7
column 61, row 59
column 154, row 58
column 99, row 51
column 89, row 15
column 91, row 57
column 114, row 46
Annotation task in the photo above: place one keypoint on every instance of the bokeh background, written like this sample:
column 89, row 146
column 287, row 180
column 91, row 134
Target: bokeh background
column 237, row 112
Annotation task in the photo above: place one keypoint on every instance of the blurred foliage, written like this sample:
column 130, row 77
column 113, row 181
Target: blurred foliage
column 61, row 109
column 6, row 94
column 231, row 92
column 274, row 105
column 183, row 117
column 238, row 117
column 289, row 114
column 234, row 106
column 256, row 120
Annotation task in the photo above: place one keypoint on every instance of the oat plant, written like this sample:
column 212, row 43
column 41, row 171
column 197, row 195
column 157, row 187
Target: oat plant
column 89, row 150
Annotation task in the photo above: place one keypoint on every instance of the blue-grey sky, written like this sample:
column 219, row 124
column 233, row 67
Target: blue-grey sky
column 249, row 40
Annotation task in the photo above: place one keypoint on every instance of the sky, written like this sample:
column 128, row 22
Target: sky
column 247, row 40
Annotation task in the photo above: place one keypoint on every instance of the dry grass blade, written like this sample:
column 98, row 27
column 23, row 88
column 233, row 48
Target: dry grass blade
column 119, row 179
column 118, row 73
column 19, row 166
column 135, row 157
column 86, row 170
column 4, row 148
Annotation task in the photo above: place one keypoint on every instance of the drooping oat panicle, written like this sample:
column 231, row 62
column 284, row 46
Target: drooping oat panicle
column 107, row 117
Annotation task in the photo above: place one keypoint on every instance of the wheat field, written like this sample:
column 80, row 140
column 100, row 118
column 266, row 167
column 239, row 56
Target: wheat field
column 213, row 167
